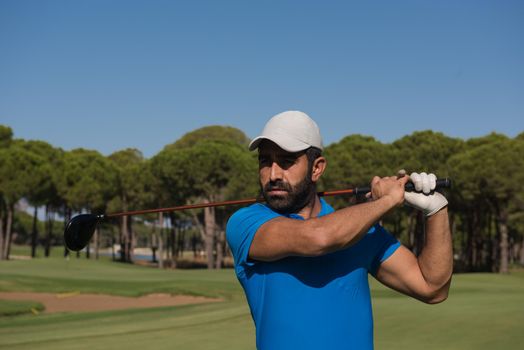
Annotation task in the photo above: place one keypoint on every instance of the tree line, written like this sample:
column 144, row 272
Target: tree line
column 213, row 163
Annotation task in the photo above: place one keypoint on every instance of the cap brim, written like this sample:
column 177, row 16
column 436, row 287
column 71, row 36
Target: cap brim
column 288, row 145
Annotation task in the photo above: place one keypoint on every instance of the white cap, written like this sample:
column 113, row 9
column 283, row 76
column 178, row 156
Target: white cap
column 293, row 131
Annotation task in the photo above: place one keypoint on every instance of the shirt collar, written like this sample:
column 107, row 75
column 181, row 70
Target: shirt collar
column 324, row 210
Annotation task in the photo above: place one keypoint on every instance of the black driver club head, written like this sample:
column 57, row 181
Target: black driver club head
column 79, row 230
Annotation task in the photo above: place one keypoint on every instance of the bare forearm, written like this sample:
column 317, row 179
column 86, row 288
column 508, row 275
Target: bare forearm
column 436, row 258
column 347, row 226
column 282, row 237
column 318, row 236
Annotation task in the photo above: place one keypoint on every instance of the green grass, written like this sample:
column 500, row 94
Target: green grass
column 16, row 307
column 25, row 250
column 484, row 311
column 55, row 252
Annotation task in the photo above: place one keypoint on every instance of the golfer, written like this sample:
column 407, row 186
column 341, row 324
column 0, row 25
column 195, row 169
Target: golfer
column 304, row 266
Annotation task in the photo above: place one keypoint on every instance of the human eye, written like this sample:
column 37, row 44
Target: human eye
column 263, row 160
column 290, row 160
column 287, row 162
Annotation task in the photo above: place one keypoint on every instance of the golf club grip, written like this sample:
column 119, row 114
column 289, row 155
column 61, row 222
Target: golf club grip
column 410, row 187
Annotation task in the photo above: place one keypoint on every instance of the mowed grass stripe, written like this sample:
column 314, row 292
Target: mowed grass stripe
column 119, row 325
column 103, row 277
column 483, row 311
column 232, row 333
column 19, row 307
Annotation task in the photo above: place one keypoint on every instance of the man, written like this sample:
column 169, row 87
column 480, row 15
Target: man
column 304, row 267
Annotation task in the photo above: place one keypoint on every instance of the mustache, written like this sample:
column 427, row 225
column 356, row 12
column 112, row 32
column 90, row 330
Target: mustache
column 277, row 185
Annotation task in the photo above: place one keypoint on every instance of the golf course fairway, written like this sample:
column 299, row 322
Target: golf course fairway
column 483, row 311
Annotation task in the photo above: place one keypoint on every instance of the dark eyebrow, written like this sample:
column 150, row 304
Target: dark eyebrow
column 297, row 154
column 283, row 155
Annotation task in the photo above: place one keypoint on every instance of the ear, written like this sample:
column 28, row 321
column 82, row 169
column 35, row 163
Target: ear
column 319, row 165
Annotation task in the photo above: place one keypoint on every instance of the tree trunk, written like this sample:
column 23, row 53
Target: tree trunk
column 181, row 242
column 88, row 249
column 494, row 257
column 469, row 241
column 476, row 246
column 67, row 216
column 113, row 242
column 8, row 229
column 202, row 231
column 167, row 244
column 49, row 230
column 154, row 244
column 221, row 239
column 504, row 247
column 173, row 239
column 201, row 228
column 173, row 246
column 453, row 226
column 34, row 234
column 97, row 240
column 194, row 242
column 160, row 241
column 209, row 226
column 130, row 240
column 521, row 259
column 398, row 225
column 419, row 233
column 494, row 242
column 2, row 239
column 411, row 230
column 513, row 249
column 124, row 234
column 123, row 238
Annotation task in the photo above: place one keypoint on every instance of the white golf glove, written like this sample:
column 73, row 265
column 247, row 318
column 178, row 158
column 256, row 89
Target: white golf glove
column 425, row 199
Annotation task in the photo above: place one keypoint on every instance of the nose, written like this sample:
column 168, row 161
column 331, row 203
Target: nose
column 275, row 172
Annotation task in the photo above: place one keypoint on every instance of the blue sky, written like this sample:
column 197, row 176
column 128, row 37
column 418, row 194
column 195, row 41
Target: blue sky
column 107, row 75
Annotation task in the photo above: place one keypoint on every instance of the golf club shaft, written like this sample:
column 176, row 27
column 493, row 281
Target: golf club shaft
column 214, row 204
column 441, row 183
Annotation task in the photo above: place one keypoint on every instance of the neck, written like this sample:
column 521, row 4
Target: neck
column 312, row 209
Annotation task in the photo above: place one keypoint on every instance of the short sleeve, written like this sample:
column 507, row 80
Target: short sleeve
column 384, row 245
column 241, row 229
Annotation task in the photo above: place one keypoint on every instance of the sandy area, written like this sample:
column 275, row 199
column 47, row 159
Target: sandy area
column 77, row 302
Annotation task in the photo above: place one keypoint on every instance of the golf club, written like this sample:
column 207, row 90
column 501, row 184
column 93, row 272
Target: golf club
column 81, row 228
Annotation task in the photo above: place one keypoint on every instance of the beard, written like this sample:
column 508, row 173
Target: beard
column 297, row 197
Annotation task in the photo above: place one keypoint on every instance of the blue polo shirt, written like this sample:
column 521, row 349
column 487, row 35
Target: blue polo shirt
column 308, row 302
